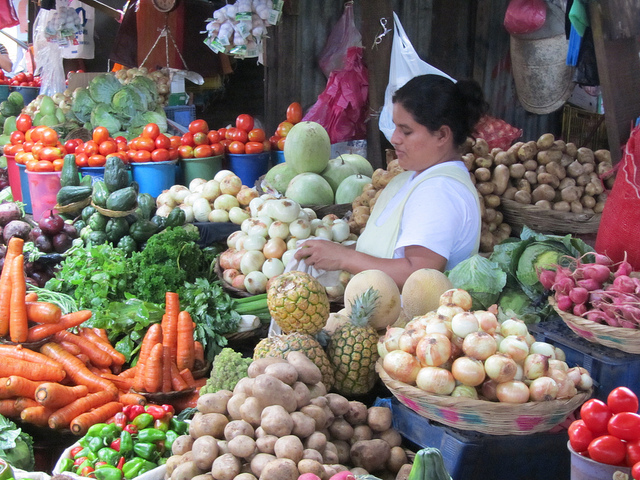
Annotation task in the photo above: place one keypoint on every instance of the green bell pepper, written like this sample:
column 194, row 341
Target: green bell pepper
column 179, row 426
column 131, row 468
column 6, row 472
column 95, row 444
column 66, row 465
column 109, row 455
column 142, row 421
column 147, row 451
column 94, row 430
column 126, row 442
column 150, row 435
column 107, row 472
column 170, row 438
column 147, row 466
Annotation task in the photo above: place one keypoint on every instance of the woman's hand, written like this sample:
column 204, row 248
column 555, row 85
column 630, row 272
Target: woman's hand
column 323, row 254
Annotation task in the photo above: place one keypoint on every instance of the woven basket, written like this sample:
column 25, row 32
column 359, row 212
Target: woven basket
column 231, row 290
column 483, row 416
column 112, row 213
column 620, row 338
column 517, row 215
column 73, row 207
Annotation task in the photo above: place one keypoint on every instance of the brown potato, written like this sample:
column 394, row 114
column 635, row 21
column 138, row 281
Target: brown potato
column 583, row 179
column 531, row 177
column 391, row 436
column 530, row 165
column 524, row 185
column 516, row 171
column 571, row 150
column 275, row 420
column 238, row 427
column 269, row 390
column 266, row 443
column 403, row 473
column 357, row 414
column 548, row 156
column 397, row 459
column 489, row 215
column 340, row 429
column 559, row 145
column 588, row 168
column 570, row 194
column 480, row 148
column 182, row 445
column 185, row 471
column 379, row 418
column 308, row 372
column 602, row 155
column 372, row 455
column 307, row 465
column 575, row 169
column 244, row 385
column 338, row 404
column 543, row 192
column 566, row 160
column 567, row 182
column 205, row 451
column 316, row 441
column 259, row 461
column 585, row 155
column 523, row 197
column 544, row 204
column 603, row 168
column 562, row 206
column 242, row 446
column 257, row 366
column 303, row 425
column 361, row 432
column 554, row 168
column 545, row 141
column 527, row 151
column 284, row 372
column 172, row 462
column 500, row 179
column 302, row 394
column 587, row 200
column 483, row 162
column 289, row 447
column 510, row 193
column 548, row 179
column 598, row 207
column 469, row 160
column 485, row 188
column 251, row 411
column 234, row 404
column 576, row 207
column 504, row 158
column 317, row 390
column 492, row 201
column 208, row 424
column 482, row 174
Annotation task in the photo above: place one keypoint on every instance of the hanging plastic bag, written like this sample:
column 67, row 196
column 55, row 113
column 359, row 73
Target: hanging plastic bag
column 82, row 44
column 405, row 64
column 48, row 56
column 343, row 36
column 342, row 107
column 525, row 16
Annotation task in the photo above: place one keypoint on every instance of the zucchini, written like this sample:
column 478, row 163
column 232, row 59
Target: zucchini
column 428, row 465
column 72, row 194
column 122, row 200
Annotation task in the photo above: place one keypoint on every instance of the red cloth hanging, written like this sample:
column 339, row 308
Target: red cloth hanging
column 8, row 15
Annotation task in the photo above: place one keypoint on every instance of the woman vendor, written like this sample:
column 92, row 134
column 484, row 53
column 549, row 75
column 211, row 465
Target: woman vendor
column 429, row 215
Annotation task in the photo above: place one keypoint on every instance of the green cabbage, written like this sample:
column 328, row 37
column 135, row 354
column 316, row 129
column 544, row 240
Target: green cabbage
column 103, row 87
column 535, row 257
column 82, row 105
column 102, row 116
column 16, row 446
column 128, row 102
column 482, row 278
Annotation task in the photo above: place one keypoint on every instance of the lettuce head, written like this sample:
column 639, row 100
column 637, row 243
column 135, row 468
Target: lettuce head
column 16, row 446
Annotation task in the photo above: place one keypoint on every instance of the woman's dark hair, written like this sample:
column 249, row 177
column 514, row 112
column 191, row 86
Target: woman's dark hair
column 434, row 101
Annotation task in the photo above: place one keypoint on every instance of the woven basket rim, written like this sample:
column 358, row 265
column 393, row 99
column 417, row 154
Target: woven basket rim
column 502, row 416
column 72, row 207
column 625, row 339
column 552, row 221
column 225, row 286
column 112, row 213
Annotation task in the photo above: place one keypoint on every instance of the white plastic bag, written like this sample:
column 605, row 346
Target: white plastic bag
column 405, row 64
column 82, row 45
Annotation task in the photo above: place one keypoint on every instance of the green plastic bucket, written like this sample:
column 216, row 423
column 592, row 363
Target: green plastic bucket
column 4, row 92
column 205, row 167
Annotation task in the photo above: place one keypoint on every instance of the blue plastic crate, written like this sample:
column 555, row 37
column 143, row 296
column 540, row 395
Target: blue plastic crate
column 609, row 367
column 181, row 114
column 469, row 455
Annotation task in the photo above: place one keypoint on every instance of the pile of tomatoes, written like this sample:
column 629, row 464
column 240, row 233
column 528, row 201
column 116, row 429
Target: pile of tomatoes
column 21, row 79
column 294, row 115
column 38, row 148
column 609, row 432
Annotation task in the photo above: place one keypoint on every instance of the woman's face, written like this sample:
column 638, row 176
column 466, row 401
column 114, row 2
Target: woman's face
column 416, row 146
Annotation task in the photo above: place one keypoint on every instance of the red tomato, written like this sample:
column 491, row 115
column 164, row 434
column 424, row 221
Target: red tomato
column 229, row 133
column 217, row 148
column 187, row 139
column 121, row 155
column 91, row 148
column 145, row 143
column 185, row 151
column 16, row 137
column 96, row 160
column 57, row 164
column 607, row 449
column 635, row 471
column 202, row 151
column 225, row 143
column 236, row 147
column 244, row 122
column 160, row 155
column 284, row 128
column 173, row 154
column 120, row 139
column 175, row 141
column 198, row 126
column 579, row 436
column 294, row 113
column 142, row 156
column 240, row 136
column 162, row 141
column 36, row 133
column 23, row 122
column 43, row 166
column 256, row 135
column 625, row 426
column 70, row 146
column 622, row 399
column 281, row 143
column 49, row 153
column 254, row 147
column 27, row 146
column 633, row 453
column 200, row 138
column 596, row 415
column 19, row 77
column 49, row 136
column 213, row 136
column 82, row 160
column 223, row 133
column 107, row 147
column 100, row 134
column 151, row 130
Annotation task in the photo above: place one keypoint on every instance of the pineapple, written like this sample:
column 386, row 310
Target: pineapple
column 280, row 345
column 298, row 303
column 353, row 348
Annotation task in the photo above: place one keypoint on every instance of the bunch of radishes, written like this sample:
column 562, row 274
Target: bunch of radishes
column 603, row 291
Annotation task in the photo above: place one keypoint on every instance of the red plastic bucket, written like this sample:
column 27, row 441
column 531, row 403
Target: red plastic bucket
column 14, row 177
column 44, row 187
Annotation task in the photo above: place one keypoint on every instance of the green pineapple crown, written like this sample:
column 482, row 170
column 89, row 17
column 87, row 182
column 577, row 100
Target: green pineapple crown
column 363, row 306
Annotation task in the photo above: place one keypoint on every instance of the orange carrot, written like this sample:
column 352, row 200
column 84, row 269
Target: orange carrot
column 62, row 417
column 198, row 355
column 172, row 309
column 131, row 398
column 102, row 333
column 8, row 407
column 19, row 386
column 117, row 358
column 128, row 373
column 30, row 370
column 55, row 395
column 76, row 370
column 72, row 348
column 200, row 382
column 82, row 422
column 151, row 338
column 188, row 377
column 31, row 297
column 153, row 370
column 85, row 360
column 38, row 416
column 14, row 248
column 43, row 312
column 20, row 353
column 18, row 323
column 166, row 369
column 98, row 357
column 177, row 382
column 69, row 320
column 186, row 401
column 123, row 384
column 25, row 402
column 185, row 343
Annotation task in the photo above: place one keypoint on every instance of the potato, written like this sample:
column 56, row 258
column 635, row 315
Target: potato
column 242, row 446
column 266, row 443
column 258, row 366
column 275, row 420
column 289, row 446
column 504, row 158
column 485, row 188
column 397, row 459
column 544, row 204
column 588, row 168
column 587, row 200
column 576, row 207
column 379, row 418
column 269, row 390
column 547, row 156
column 562, row 206
column 226, row 467
column 500, row 179
column 585, row 155
column 566, row 160
column 308, row 372
column 567, row 182
column 575, row 169
column 469, row 160
column 559, row 145
column 316, row 441
column 543, row 192
column 480, row 148
column 172, row 462
column 311, row 454
column 482, row 174
column 185, row 471
column 492, row 201
column 372, row 455
column 330, row 455
column 223, row 447
column 303, row 425
column 523, row 197
column 317, row 413
column 527, row 151
column 280, row 469
column 302, row 394
column 340, row 429
column 343, row 450
column 214, row 402
column 602, row 155
column 251, row 411
column 205, row 451
column 357, row 413
column 338, row 404
column 204, row 476
column 570, row 194
column 531, row 176
column 238, row 427
column 308, row 465
column 598, row 207
column 554, row 168
column 544, row 142
column 284, row 372
column 361, row 432
column 483, row 162
column 259, row 461
column 391, row 436
column 510, row 193
column 182, row 445
column 246, row 476
column 549, row 179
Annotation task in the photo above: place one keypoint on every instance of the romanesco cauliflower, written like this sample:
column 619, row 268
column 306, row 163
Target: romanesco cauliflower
column 228, row 368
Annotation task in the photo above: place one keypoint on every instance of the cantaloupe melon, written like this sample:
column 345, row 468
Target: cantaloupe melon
column 421, row 292
column 307, row 148
column 388, row 305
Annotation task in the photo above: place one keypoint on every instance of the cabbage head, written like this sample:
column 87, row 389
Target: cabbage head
column 482, row 278
column 535, row 257
column 146, row 88
column 16, row 446
column 103, row 87
column 82, row 105
column 127, row 102
column 101, row 116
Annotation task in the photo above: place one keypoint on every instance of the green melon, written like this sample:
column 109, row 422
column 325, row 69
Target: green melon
column 350, row 188
column 279, row 176
column 310, row 189
column 307, row 147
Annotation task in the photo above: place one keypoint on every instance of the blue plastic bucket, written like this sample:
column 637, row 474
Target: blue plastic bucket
column 24, row 187
column 154, row 177
column 96, row 173
column 249, row 166
column 277, row 156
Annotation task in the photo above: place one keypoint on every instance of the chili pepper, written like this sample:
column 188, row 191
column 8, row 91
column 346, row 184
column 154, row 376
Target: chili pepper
column 142, row 421
column 131, row 428
column 151, row 435
column 131, row 468
column 75, row 450
column 97, row 465
column 120, row 463
column 120, row 419
column 145, row 450
column 80, row 460
column 83, row 464
column 108, row 473
column 115, row 444
column 134, row 411
column 162, row 424
column 94, row 430
column 168, row 408
column 95, row 444
column 156, row 411
column 170, row 438
column 126, row 442
column 178, row 426
column 66, row 465
column 109, row 455
column 109, row 433
column 84, row 472
column 146, row 466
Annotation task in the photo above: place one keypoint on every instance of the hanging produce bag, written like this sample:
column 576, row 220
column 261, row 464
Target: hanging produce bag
column 525, row 16
column 620, row 223
column 81, row 44
column 343, row 36
column 405, row 64
column 48, row 56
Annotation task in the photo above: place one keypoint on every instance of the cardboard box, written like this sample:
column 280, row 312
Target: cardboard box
column 81, row 79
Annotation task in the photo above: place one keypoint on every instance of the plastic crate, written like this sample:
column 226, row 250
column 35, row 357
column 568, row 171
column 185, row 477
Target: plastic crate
column 474, row 456
column 609, row 368
column 181, row 114
column 584, row 128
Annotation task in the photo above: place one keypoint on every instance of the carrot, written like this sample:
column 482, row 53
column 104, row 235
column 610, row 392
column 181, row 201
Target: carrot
column 153, row 370
column 153, row 336
column 30, row 370
column 166, row 369
column 198, row 355
column 117, row 358
column 72, row 348
column 98, row 357
column 131, row 398
column 76, row 370
column 55, row 395
column 177, row 382
column 69, row 320
column 185, row 343
column 43, row 312
column 102, row 333
column 8, row 408
column 200, row 382
column 82, row 422
column 25, row 402
column 123, row 384
column 128, row 373
column 19, row 386
column 188, row 377
column 62, row 417
column 31, row 297
column 14, row 248
column 38, row 416
column 20, row 353
column 18, row 323
column 84, row 359
column 172, row 309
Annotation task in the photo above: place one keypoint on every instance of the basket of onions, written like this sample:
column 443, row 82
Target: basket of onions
column 467, row 370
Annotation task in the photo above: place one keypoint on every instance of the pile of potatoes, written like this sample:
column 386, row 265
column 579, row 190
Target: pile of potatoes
column 280, row 423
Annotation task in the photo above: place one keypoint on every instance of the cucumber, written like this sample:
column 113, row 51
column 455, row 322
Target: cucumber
column 72, row 194
column 122, row 200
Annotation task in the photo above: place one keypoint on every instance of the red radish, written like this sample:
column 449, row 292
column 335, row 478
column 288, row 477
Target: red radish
column 625, row 284
column 624, row 268
column 579, row 295
column 563, row 284
column 596, row 296
column 344, row 475
column 590, row 284
column 602, row 259
column 547, row 278
column 564, row 302
column 579, row 309
column 600, row 273
column 309, row 476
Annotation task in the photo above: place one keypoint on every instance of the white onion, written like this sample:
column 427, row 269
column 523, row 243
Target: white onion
column 211, row 190
column 462, row 324
column 401, row 366
column 323, row 232
column 219, row 216
column 257, row 227
column 586, row 382
column 287, row 257
column 329, row 218
column 390, row 338
column 544, row 349
column 335, row 291
column 435, row 325
column 558, row 365
column 284, row 210
column 340, row 231
column 188, row 212
column 458, row 297
column 254, row 204
column 530, row 339
column 300, row 229
column 479, row 345
column 574, row 374
column 520, row 373
column 543, row 389
column 315, row 223
column 255, row 282
column 237, row 215
column 566, row 388
column 500, row 367
column 433, row 349
column 225, row 202
column 513, row 326
column 266, row 219
column 220, row 174
column 163, row 210
column 465, row 391
column 272, row 267
column 229, row 274
column 193, row 184
column 487, row 321
column 251, row 261
column 408, row 341
column 560, row 355
column 304, row 215
column 382, row 350
column 231, row 185
column 435, row 380
column 535, row 365
column 292, row 243
column 191, row 198
column 245, row 195
column 233, row 238
column 449, row 311
column 498, row 338
column 274, row 248
column 278, row 229
column 311, row 213
column 468, row 371
column 179, row 193
column 512, row 391
column 515, row 347
column 254, row 242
